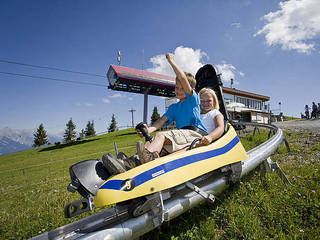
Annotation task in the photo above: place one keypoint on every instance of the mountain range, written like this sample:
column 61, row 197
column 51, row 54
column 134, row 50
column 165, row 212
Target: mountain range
column 14, row 140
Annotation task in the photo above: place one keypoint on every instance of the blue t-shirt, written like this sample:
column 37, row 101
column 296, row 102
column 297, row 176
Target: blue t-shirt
column 186, row 113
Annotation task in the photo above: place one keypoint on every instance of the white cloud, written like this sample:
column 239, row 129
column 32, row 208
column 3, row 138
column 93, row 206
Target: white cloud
column 84, row 104
column 187, row 58
column 228, row 71
column 294, row 26
column 116, row 95
column 236, row 25
column 190, row 61
column 88, row 104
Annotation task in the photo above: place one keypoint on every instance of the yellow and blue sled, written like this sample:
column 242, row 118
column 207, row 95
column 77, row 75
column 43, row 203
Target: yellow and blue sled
column 92, row 180
column 172, row 170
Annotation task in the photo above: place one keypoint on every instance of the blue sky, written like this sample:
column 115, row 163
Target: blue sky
column 268, row 47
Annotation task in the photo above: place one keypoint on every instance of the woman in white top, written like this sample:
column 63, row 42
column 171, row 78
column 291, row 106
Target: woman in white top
column 210, row 116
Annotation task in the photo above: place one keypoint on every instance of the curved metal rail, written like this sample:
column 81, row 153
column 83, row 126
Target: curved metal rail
column 114, row 223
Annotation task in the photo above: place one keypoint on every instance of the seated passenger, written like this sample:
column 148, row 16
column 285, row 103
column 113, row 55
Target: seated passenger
column 185, row 113
column 210, row 116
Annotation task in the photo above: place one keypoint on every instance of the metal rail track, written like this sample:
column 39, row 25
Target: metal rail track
column 115, row 222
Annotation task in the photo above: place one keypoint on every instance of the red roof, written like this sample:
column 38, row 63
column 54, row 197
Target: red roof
column 143, row 76
column 139, row 81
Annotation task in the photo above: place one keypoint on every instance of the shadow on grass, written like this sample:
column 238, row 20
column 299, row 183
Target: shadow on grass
column 125, row 134
column 63, row 145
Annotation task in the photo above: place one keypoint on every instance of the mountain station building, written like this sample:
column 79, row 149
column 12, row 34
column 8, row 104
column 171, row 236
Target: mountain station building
column 256, row 108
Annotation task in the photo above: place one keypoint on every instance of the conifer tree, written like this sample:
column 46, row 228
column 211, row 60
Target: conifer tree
column 40, row 137
column 113, row 124
column 70, row 133
column 155, row 115
column 90, row 132
column 82, row 134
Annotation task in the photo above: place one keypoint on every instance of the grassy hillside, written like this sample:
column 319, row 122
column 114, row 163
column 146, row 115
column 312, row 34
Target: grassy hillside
column 33, row 193
column 33, row 183
column 261, row 208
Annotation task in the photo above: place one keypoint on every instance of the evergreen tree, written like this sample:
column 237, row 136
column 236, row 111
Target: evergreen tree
column 70, row 133
column 40, row 137
column 113, row 124
column 155, row 115
column 90, row 132
column 82, row 134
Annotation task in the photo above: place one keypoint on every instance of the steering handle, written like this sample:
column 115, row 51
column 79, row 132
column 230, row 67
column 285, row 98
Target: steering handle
column 194, row 142
column 144, row 131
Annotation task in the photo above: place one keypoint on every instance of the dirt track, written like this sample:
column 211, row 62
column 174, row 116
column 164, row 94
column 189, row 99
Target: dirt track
column 301, row 124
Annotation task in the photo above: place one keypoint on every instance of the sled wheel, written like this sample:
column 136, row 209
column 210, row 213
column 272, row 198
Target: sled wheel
column 134, row 209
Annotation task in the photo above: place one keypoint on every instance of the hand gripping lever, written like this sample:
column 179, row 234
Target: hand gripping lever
column 141, row 127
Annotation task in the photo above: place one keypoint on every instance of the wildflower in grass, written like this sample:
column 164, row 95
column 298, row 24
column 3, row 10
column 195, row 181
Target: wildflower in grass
column 294, row 178
column 249, row 185
column 313, row 191
column 301, row 230
column 241, row 183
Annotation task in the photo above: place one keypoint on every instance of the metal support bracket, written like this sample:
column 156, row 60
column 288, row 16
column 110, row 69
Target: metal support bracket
column 256, row 129
column 233, row 171
column 270, row 166
column 205, row 195
column 78, row 207
column 154, row 203
column 271, row 132
column 158, row 210
column 287, row 145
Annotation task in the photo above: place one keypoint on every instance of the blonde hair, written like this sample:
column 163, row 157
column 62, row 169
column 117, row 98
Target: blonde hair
column 213, row 94
column 192, row 81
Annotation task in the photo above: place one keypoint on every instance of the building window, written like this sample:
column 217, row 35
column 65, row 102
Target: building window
column 242, row 100
column 250, row 103
column 259, row 105
column 254, row 104
column 227, row 100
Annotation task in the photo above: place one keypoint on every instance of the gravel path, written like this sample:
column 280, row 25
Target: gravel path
column 301, row 124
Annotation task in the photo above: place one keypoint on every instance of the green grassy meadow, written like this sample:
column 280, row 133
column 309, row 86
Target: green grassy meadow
column 33, row 193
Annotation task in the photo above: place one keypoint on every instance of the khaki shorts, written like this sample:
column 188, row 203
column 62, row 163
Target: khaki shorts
column 180, row 139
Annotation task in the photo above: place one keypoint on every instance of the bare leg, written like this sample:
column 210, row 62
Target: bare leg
column 147, row 144
column 157, row 143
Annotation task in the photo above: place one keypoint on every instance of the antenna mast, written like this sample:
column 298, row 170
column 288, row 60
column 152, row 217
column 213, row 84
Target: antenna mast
column 119, row 57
